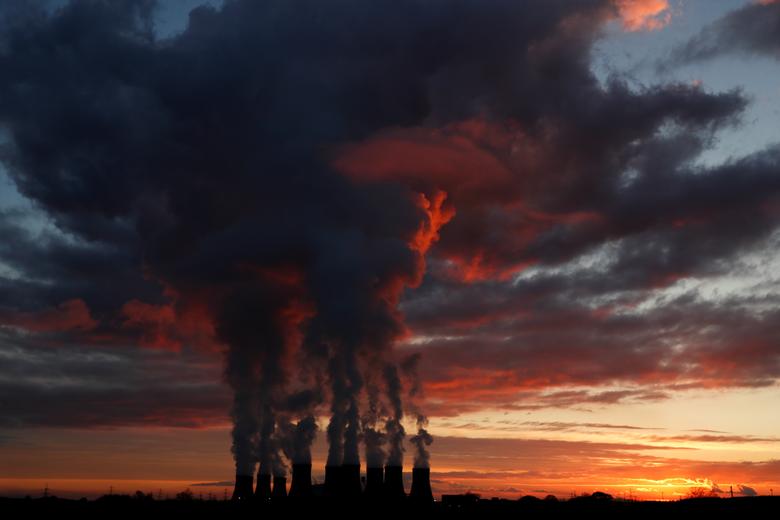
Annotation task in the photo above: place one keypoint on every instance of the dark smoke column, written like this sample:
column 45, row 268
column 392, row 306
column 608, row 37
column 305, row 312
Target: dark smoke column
column 373, row 440
column 301, row 437
column 256, row 320
column 240, row 366
column 421, row 473
column 357, row 282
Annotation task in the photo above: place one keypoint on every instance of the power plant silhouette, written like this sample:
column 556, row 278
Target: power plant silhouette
column 341, row 483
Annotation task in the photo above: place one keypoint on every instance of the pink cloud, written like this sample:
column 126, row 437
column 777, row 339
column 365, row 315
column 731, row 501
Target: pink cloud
column 644, row 15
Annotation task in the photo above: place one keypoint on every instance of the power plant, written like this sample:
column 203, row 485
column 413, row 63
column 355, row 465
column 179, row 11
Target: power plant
column 341, row 483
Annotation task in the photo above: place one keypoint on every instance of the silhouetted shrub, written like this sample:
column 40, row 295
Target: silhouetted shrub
column 185, row 495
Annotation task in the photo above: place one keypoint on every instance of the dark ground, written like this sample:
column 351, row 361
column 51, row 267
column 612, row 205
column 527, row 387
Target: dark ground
column 119, row 506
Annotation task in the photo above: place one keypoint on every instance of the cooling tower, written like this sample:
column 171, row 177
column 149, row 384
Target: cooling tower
column 280, row 488
column 243, row 488
column 301, row 481
column 332, row 480
column 421, row 485
column 374, row 482
column 394, row 482
column 350, row 481
column 263, row 489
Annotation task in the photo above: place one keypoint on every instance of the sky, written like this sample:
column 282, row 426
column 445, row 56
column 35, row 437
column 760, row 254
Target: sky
column 236, row 235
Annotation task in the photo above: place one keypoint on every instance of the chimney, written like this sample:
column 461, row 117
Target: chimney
column 394, row 482
column 374, row 478
column 350, row 480
column 243, row 489
column 332, row 480
column 263, row 489
column 421, row 485
column 301, row 481
column 280, row 488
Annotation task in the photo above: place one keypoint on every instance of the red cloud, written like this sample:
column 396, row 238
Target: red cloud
column 71, row 315
column 449, row 159
column 490, row 171
column 169, row 326
column 156, row 323
column 503, row 353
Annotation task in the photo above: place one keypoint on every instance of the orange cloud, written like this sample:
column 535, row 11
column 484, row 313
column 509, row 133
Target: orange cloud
column 644, row 15
column 168, row 326
column 438, row 215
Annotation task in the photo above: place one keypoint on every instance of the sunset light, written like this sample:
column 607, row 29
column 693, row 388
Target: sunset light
column 394, row 253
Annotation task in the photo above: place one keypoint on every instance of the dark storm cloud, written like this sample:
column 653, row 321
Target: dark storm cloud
column 53, row 268
column 624, row 133
column 206, row 147
column 231, row 174
column 750, row 30
column 559, row 184
column 523, row 352
column 85, row 387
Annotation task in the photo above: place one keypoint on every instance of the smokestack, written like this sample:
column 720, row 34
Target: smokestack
column 280, row 488
column 332, row 480
column 421, row 485
column 263, row 489
column 350, row 480
column 243, row 489
column 394, row 482
column 301, row 481
column 374, row 478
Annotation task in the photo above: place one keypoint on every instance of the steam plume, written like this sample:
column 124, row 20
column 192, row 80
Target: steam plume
column 373, row 439
column 394, row 426
column 421, row 441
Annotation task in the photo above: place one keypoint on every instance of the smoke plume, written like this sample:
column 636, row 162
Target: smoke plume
column 295, row 439
column 421, row 441
column 394, row 424
column 373, row 438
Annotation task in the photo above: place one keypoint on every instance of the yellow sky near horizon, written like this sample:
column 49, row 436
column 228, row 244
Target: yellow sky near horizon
column 646, row 450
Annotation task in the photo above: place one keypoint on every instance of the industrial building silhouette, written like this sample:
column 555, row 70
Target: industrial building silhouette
column 341, row 483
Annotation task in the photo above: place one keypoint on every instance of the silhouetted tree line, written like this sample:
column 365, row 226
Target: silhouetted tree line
column 185, row 504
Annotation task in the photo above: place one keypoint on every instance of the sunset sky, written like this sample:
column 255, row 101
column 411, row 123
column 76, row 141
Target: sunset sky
column 555, row 224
